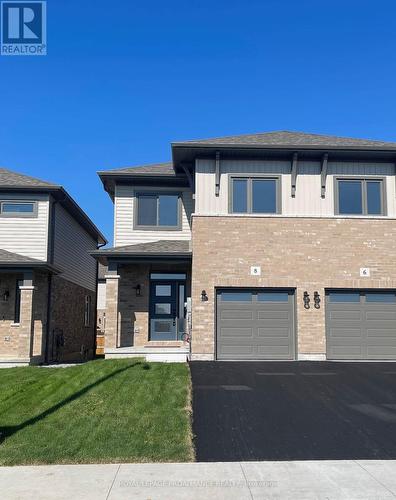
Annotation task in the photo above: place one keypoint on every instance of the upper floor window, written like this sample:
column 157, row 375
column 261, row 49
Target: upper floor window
column 18, row 208
column 255, row 195
column 158, row 211
column 360, row 197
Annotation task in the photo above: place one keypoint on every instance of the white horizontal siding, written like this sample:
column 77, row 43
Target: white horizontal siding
column 124, row 232
column 72, row 245
column 26, row 235
column 308, row 200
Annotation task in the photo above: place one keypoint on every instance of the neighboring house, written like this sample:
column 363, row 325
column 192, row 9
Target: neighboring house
column 285, row 242
column 47, row 275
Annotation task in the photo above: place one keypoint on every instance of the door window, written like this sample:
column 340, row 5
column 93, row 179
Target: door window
column 163, row 290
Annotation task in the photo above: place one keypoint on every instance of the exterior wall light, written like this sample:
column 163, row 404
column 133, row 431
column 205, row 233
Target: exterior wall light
column 138, row 290
column 306, row 299
column 204, row 296
column 317, row 300
column 6, row 296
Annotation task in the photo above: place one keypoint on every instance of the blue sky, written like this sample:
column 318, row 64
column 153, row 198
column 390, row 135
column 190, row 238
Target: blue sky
column 123, row 79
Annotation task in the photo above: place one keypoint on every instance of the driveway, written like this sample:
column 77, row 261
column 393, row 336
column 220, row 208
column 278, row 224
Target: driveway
column 294, row 410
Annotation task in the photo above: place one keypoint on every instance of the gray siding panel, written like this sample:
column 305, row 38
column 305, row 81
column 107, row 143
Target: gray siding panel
column 72, row 245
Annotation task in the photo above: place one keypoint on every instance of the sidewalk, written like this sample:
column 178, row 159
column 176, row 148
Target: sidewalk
column 311, row 480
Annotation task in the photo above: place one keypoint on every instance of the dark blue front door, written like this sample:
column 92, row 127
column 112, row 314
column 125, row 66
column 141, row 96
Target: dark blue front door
column 167, row 310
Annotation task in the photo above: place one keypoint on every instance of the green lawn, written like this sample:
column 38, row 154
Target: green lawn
column 102, row 411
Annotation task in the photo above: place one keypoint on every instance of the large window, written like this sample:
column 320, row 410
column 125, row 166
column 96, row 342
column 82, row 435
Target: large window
column 18, row 208
column 255, row 195
column 360, row 197
column 157, row 211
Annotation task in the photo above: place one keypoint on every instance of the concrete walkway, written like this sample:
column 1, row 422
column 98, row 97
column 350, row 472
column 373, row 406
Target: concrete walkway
column 309, row 480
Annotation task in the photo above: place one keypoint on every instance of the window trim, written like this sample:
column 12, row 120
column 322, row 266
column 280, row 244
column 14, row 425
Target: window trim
column 363, row 180
column 249, row 179
column 33, row 214
column 143, row 227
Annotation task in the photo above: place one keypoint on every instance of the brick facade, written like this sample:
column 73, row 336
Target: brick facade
column 127, row 316
column 26, row 341
column 23, row 340
column 67, row 321
column 309, row 254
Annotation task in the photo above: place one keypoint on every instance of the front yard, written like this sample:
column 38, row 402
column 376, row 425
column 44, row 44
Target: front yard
column 102, row 411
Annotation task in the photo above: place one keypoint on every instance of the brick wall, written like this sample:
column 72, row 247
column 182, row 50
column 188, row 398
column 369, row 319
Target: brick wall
column 303, row 253
column 12, row 345
column 8, row 334
column 67, row 320
column 132, row 325
column 133, row 311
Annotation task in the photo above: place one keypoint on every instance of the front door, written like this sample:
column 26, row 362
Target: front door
column 167, row 310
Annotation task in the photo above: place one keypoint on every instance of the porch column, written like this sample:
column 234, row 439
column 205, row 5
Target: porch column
column 112, row 321
column 25, row 338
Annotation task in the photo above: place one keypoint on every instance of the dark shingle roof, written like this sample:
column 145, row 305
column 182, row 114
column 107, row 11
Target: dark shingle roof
column 13, row 179
column 154, row 247
column 169, row 249
column 284, row 138
column 7, row 257
column 150, row 169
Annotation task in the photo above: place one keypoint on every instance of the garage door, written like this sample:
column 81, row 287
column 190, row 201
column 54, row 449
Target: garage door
column 361, row 325
column 255, row 324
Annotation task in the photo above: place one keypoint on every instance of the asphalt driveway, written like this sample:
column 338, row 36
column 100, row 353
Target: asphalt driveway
column 294, row 410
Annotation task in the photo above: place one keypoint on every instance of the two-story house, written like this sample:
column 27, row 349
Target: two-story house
column 284, row 242
column 47, row 275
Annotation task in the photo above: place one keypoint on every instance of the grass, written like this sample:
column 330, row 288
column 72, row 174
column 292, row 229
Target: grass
column 102, row 411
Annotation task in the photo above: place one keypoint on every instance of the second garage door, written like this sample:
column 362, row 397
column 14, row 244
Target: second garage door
column 361, row 324
column 255, row 324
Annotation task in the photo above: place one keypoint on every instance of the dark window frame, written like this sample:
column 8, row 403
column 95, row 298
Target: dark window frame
column 33, row 214
column 157, row 227
column 363, row 180
column 250, row 179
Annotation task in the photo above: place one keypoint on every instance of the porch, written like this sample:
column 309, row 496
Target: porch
column 23, row 309
column 147, row 300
